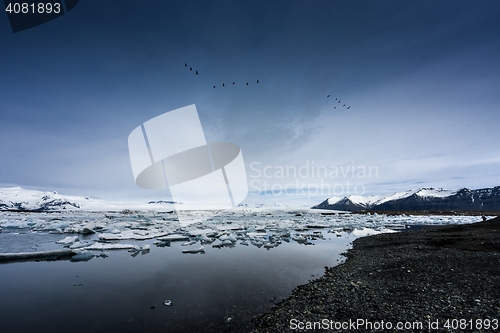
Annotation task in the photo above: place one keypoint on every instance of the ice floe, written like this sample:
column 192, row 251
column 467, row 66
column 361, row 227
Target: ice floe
column 201, row 249
column 264, row 228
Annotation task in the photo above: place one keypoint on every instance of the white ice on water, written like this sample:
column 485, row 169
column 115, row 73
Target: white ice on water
column 266, row 228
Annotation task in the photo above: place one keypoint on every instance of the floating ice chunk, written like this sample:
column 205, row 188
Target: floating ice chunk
column 269, row 245
column 299, row 238
column 189, row 243
column 82, row 256
column 316, row 225
column 55, row 226
column 244, row 243
column 364, row 232
column 106, row 246
column 229, row 227
column 68, row 240
column 15, row 225
column 68, row 230
column 217, row 244
column 103, row 255
column 201, row 249
column 257, row 243
column 231, row 238
column 160, row 243
column 200, row 232
column 256, row 234
column 145, row 247
column 227, row 242
column 136, row 248
column 167, row 302
column 204, row 238
column 131, row 234
column 173, row 237
column 88, row 228
column 79, row 245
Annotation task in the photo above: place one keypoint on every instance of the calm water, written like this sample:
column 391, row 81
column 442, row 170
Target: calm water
column 219, row 291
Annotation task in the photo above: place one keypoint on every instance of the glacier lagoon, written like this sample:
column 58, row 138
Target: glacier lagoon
column 250, row 260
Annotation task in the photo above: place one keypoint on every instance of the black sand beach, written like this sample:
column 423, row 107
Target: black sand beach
column 440, row 279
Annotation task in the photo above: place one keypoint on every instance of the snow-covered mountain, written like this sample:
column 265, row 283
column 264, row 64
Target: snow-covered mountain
column 17, row 198
column 487, row 199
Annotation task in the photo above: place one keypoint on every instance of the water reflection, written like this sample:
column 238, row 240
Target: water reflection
column 125, row 294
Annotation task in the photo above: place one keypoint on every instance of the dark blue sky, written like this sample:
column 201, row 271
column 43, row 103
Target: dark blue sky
column 422, row 79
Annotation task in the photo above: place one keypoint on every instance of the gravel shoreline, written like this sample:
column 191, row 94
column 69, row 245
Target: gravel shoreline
column 434, row 276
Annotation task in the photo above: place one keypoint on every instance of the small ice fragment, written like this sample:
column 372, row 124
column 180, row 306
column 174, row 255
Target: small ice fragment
column 76, row 245
column 217, row 245
column 205, row 239
column 103, row 255
column 118, row 246
column 167, row 302
column 188, row 243
column 173, row 237
column 299, row 238
column 227, row 242
column 257, row 243
column 231, row 238
column 88, row 228
column 146, row 247
column 83, row 256
column 135, row 248
column 201, row 249
column 161, row 243
column 68, row 240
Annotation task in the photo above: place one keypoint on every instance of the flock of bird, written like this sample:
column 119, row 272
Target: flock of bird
column 257, row 81
column 196, row 72
column 338, row 100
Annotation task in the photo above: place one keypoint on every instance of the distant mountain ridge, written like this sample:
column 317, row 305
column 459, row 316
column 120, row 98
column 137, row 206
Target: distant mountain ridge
column 17, row 198
column 422, row 199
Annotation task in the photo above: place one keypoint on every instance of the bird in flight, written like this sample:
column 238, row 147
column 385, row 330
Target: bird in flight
column 343, row 105
column 233, row 82
column 197, row 72
column 223, row 85
column 327, row 96
column 257, row 80
column 185, row 65
column 190, row 68
column 348, row 107
column 214, row 87
column 247, row 84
